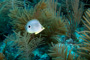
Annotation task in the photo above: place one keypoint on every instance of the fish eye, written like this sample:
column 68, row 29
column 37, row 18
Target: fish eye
column 29, row 26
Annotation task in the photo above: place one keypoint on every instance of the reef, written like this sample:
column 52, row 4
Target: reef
column 66, row 35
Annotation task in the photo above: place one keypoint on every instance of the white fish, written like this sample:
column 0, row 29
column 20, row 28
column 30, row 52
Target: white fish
column 34, row 26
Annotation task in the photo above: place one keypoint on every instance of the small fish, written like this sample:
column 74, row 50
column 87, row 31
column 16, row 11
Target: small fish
column 34, row 26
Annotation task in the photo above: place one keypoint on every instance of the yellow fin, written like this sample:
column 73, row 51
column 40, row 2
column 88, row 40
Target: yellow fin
column 40, row 30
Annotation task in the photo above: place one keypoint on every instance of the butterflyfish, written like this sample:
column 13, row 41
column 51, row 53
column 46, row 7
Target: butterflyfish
column 34, row 26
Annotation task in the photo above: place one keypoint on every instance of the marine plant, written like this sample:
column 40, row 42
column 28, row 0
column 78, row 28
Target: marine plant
column 5, row 6
column 60, row 52
column 4, row 23
column 20, row 44
column 45, row 12
column 85, row 47
column 23, row 44
column 73, row 11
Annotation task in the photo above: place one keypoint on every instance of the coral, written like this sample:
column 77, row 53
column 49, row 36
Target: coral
column 4, row 19
column 2, row 57
column 25, row 44
column 73, row 14
column 40, row 12
column 5, row 6
column 85, row 48
column 60, row 52
column 45, row 12
column 9, row 4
